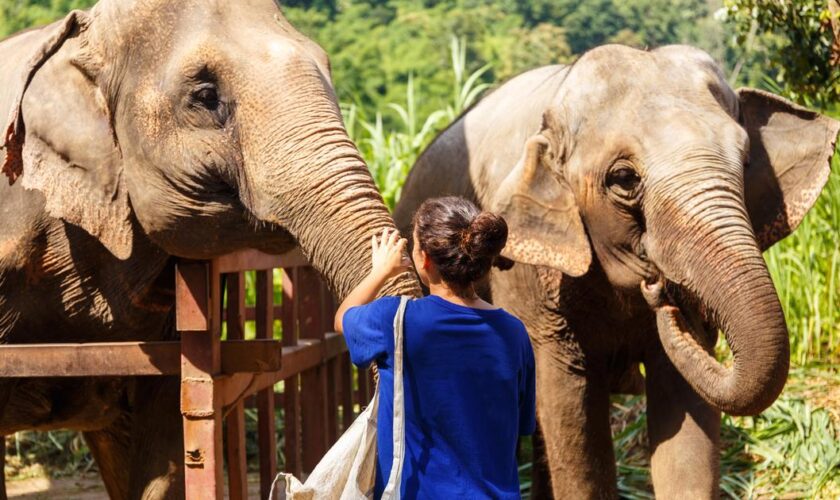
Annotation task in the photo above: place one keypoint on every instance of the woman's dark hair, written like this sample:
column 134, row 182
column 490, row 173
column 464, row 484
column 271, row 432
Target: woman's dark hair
column 461, row 240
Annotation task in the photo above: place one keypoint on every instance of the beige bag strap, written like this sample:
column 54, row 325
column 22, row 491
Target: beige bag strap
column 392, row 489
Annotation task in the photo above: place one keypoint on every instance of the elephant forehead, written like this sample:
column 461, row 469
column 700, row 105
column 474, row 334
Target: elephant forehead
column 168, row 26
column 616, row 77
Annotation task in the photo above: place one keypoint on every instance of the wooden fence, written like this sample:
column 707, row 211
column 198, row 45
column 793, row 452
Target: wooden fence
column 321, row 391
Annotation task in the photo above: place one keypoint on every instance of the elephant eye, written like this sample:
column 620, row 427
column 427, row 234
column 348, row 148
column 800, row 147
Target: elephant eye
column 623, row 179
column 207, row 96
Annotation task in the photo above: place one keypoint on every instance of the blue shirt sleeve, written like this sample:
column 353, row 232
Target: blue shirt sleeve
column 527, row 391
column 368, row 330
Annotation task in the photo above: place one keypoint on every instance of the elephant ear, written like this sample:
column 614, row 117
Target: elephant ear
column 789, row 162
column 544, row 224
column 60, row 140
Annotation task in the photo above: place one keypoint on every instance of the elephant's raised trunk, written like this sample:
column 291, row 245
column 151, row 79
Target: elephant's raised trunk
column 704, row 243
column 306, row 175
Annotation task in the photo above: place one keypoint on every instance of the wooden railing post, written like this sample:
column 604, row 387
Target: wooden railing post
column 332, row 366
column 313, row 382
column 197, row 288
column 265, row 399
column 291, row 390
column 346, row 392
column 235, row 420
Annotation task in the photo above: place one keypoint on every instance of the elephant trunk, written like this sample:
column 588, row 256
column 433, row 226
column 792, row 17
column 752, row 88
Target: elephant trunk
column 303, row 173
column 704, row 243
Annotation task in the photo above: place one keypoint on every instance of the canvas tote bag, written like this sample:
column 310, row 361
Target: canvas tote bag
column 348, row 470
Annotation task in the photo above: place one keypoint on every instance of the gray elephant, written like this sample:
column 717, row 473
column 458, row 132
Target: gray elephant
column 143, row 130
column 627, row 168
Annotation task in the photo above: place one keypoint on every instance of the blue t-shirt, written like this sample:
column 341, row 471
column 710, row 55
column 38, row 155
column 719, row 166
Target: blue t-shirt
column 469, row 394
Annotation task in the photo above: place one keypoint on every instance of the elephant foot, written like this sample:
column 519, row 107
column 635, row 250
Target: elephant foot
column 157, row 459
column 111, row 448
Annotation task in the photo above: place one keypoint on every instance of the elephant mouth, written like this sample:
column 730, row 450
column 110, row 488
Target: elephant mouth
column 691, row 305
column 703, row 324
column 700, row 316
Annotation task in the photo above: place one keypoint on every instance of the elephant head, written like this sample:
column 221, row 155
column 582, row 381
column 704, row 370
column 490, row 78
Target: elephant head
column 207, row 125
column 650, row 163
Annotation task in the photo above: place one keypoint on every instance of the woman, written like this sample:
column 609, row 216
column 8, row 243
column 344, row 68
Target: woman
column 468, row 366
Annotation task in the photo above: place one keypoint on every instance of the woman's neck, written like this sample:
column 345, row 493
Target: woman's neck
column 469, row 299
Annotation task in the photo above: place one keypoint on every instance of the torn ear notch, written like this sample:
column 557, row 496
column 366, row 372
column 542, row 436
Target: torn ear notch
column 70, row 155
column 15, row 132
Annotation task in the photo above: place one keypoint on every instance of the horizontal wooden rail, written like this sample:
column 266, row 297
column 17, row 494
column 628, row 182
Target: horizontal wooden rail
column 258, row 261
column 251, row 313
column 310, row 353
column 162, row 358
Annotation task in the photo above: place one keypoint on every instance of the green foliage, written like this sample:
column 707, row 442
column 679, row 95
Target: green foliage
column 794, row 39
column 61, row 453
column 806, row 271
column 641, row 23
column 789, row 451
column 375, row 46
column 391, row 152
column 16, row 15
column 376, row 49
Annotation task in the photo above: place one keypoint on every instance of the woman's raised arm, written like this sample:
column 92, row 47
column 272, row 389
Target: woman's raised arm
column 388, row 259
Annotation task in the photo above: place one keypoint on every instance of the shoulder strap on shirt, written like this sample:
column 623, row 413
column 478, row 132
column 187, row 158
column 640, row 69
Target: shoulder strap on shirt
column 392, row 489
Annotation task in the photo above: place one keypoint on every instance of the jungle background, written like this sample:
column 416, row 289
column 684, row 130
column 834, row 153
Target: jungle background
column 404, row 69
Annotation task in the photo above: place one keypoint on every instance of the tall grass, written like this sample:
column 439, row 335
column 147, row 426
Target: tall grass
column 789, row 451
column 390, row 152
column 806, row 270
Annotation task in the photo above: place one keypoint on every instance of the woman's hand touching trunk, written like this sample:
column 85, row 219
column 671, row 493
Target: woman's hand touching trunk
column 388, row 259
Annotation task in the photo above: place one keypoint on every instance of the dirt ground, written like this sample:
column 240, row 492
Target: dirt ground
column 84, row 487
column 818, row 386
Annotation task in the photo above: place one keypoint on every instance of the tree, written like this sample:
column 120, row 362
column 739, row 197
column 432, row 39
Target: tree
column 16, row 15
column 834, row 11
column 797, row 44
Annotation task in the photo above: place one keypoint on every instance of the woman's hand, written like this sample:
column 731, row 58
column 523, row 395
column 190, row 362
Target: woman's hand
column 388, row 257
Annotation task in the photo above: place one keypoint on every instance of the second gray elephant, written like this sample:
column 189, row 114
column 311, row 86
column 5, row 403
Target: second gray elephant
column 633, row 167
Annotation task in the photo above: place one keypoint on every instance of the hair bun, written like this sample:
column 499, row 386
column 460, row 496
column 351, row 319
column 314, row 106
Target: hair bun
column 461, row 240
column 486, row 236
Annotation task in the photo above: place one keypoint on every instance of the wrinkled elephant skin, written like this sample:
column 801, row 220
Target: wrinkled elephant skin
column 144, row 130
column 627, row 170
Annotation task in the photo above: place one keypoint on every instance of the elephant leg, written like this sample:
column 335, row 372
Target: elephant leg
column 540, row 476
column 573, row 413
column 5, row 392
column 684, row 433
column 3, row 465
column 157, row 460
column 111, row 448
